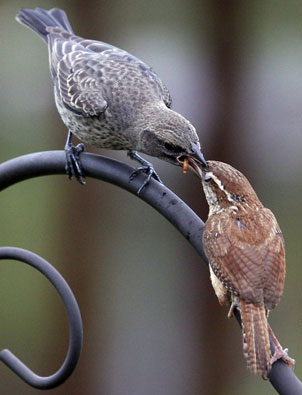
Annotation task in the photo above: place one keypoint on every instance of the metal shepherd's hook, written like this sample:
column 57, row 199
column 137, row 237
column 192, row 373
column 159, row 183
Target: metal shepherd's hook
column 74, row 317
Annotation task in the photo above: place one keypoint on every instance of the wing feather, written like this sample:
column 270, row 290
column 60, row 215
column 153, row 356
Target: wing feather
column 248, row 268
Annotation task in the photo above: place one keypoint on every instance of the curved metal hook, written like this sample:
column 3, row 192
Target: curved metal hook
column 156, row 195
column 74, row 317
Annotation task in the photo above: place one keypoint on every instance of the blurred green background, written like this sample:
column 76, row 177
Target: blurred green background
column 152, row 323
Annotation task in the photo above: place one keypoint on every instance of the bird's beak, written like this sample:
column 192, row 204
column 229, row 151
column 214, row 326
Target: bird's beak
column 197, row 155
column 195, row 160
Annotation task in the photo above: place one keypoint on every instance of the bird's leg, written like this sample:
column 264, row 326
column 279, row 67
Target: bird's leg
column 73, row 165
column 280, row 353
column 235, row 305
column 146, row 167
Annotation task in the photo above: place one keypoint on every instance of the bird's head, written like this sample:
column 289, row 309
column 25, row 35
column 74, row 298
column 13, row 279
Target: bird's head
column 224, row 186
column 169, row 136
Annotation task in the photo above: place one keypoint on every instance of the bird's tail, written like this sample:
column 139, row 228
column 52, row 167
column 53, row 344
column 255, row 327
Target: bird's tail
column 40, row 20
column 256, row 346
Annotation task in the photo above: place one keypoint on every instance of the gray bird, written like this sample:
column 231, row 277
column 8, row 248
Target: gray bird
column 109, row 98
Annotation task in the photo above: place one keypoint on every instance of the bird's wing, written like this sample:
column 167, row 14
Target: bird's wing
column 79, row 83
column 75, row 73
column 101, row 47
column 74, row 67
column 274, row 263
column 247, row 268
column 166, row 95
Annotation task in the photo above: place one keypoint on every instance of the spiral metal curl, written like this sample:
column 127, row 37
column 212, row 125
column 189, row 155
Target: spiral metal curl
column 74, row 318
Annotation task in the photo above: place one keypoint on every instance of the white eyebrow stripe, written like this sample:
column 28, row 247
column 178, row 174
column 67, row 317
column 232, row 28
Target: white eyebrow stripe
column 220, row 186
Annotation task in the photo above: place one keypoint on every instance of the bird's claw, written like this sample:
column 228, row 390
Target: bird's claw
column 73, row 165
column 149, row 171
column 235, row 305
column 146, row 167
column 280, row 353
column 283, row 354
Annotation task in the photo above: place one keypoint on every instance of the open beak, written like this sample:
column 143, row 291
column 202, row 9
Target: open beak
column 197, row 155
column 195, row 161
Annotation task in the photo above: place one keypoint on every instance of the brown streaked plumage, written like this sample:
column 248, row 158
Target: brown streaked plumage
column 245, row 248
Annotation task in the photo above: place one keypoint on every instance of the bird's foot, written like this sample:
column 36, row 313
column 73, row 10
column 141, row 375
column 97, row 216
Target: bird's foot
column 150, row 172
column 235, row 305
column 281, row 353
column 146, row 168
column 73, row 165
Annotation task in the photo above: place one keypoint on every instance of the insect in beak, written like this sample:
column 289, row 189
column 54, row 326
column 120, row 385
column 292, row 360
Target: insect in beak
column 185, row 165
column 189, row 163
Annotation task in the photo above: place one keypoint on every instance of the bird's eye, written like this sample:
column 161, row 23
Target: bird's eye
column 173, row 148
column 207, row 177
column 169, row 146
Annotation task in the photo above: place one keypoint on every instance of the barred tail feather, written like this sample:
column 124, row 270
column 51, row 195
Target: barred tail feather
column 256, row 346
column 39, row 20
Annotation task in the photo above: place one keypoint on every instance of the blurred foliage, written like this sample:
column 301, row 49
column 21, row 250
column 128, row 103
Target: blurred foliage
column 151, row 320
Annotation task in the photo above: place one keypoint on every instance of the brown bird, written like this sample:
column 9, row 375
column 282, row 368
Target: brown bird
column 245, row 249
